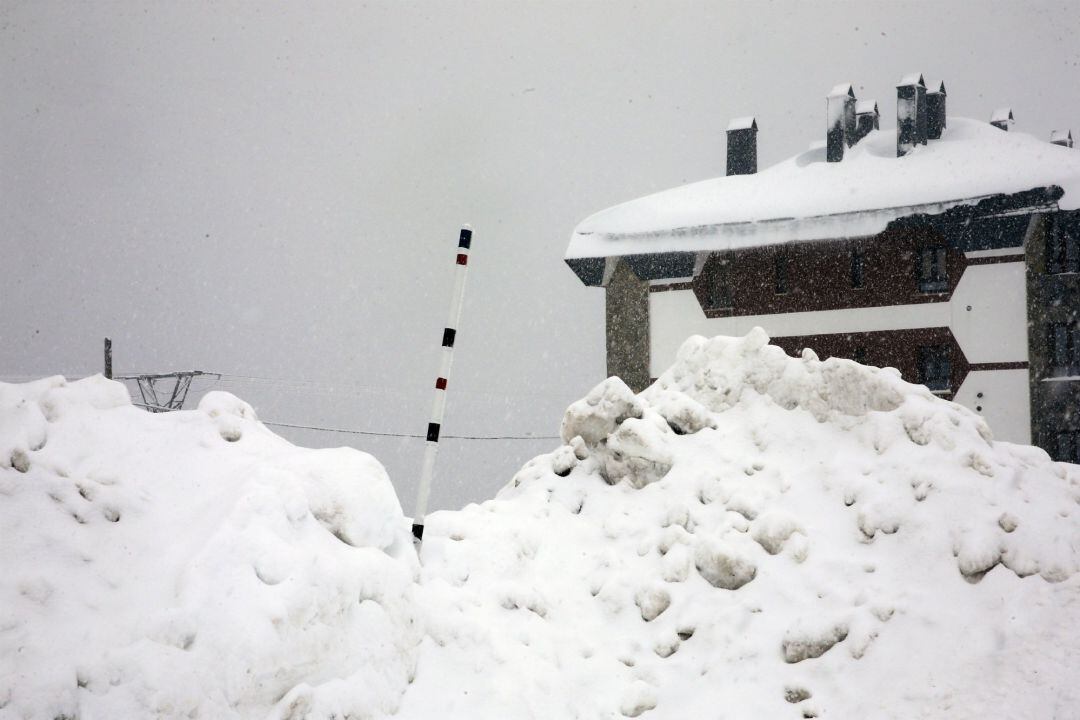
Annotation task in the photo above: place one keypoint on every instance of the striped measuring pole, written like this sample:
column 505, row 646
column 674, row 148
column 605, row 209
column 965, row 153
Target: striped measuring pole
column 431, row 447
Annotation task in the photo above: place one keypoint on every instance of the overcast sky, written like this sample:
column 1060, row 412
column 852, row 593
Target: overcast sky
column 275, row 190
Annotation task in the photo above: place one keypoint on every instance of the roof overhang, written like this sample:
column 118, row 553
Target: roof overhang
column 958, row 220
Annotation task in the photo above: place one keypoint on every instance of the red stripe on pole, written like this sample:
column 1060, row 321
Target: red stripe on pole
column 462, row 259
column 440, row 383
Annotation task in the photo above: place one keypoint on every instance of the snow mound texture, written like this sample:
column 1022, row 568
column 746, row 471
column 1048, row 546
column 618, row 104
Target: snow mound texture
column 193, row 565
column 754, row 536
column 759, row 536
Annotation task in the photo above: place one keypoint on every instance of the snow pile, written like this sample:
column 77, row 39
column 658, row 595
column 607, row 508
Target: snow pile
column 193, row 565
column 759, row 536
column 806, row 198
column 754, row 536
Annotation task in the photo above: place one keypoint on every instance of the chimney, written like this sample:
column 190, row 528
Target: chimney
column 742, row 146
column 1002, row 118
column 910, row 113
column 840, row 121
column 867, row 118
column 1061, row 137
column 935, row 113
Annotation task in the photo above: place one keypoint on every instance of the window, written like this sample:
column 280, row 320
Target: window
column 718, row 293
column 932, row 273
column 856, row 267
column 780, row 267
column 1062, row 245
column 934, row 366
column 1066, row 447
column 713, row 286
column 859, row 355
column 1064, row 345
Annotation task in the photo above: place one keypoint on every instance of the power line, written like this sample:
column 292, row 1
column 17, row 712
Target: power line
column 303, row 385
column 349, row 431
column 297, row 426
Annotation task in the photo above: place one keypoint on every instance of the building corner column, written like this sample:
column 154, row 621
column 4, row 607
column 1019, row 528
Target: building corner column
column 627, row 321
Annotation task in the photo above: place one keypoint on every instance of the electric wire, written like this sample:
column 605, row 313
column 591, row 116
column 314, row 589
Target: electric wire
column 350, row 431
column 317, row 428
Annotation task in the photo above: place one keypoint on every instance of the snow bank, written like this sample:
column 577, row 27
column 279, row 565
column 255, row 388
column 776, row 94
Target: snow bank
column 806, row 198
column 754, row 536
column 759, row 536
column 193, row 564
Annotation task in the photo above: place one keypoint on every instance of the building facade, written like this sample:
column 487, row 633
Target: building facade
column 974, row 294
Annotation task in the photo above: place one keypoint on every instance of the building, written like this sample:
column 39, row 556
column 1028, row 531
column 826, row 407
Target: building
column 948, row 248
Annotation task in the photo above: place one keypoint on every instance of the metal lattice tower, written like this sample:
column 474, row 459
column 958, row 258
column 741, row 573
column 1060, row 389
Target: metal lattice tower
column 163, row 392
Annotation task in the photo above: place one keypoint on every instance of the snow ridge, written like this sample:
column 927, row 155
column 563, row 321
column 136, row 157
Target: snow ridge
column 753, row 536
column 761, row 536
column 193, row 564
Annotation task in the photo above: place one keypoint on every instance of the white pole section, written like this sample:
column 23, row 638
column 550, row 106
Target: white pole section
column 431, row 447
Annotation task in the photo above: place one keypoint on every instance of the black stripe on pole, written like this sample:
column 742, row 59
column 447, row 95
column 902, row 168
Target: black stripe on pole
column 433, row 432
column 418, row 531
column 448, row 335
column 466, row 238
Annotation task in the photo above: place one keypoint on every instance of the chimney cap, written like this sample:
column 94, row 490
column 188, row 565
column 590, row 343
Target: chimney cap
column 1002, row 114
column 866, row 107
column 842, row 89
column 1061, row 136
column 915, row 78
column 748, row 122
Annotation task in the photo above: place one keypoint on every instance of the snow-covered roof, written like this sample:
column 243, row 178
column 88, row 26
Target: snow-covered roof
column 1002, row 114
column 915, row 78
column 863, row 107
column 806, row 198
column 842, row 89
column 1060, row 135
column 743, row 123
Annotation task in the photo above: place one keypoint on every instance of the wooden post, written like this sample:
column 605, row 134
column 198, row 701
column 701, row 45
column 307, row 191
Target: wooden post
column 108, row 358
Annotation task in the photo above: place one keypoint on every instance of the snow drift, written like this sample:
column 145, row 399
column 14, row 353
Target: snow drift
column 192, row 565
column 754, row 536
column 759, row 536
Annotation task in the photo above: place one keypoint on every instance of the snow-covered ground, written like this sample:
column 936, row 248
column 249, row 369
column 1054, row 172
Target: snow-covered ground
column 754, row 536
column 192, row 564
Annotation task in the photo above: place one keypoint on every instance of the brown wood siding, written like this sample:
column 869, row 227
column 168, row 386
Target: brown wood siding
column 819, row 275
column 893, row 348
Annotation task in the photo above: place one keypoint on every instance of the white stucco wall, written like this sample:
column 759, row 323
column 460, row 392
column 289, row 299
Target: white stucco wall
column 995, row 328
column 1005, row 402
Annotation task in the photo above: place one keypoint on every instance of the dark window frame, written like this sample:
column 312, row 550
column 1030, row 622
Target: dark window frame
column 934, row 364
column 858, row 268
column 1062, row 246
column 932, row 268
column 1063, row 348
column 781, row 276
column 718, row 295
column 1066, row 445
